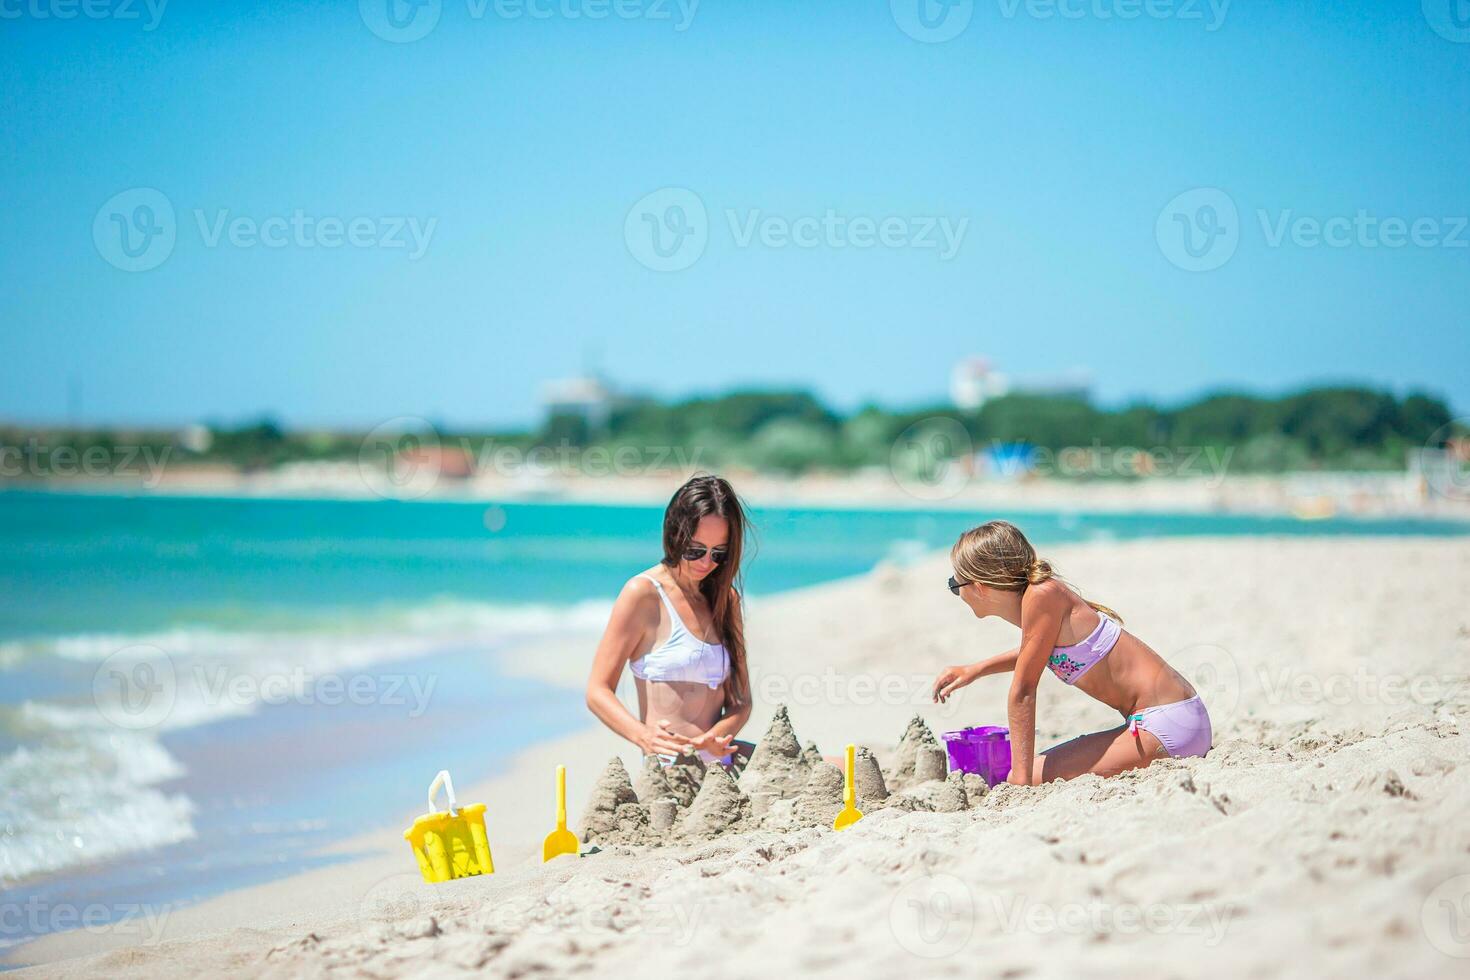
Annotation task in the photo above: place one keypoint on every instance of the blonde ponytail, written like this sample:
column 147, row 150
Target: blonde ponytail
column 997, row 554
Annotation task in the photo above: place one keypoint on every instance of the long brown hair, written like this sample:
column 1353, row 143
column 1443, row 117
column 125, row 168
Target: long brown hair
column 997, row 554
column 712, row 496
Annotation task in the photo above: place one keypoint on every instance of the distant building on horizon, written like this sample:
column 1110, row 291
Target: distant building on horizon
column 973, row 381
column 587, row 397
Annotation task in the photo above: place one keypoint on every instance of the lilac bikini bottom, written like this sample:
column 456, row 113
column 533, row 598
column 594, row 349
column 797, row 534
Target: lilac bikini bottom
column 1183, row 728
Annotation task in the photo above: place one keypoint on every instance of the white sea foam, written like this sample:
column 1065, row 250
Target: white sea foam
column 358, row 638
column 82, row 797
column 83, row 786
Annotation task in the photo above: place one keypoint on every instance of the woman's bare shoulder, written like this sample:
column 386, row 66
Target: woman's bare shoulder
column 639, row 586
column 637, row 595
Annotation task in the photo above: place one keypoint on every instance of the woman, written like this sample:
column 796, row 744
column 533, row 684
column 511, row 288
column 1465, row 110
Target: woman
column 997, row 573
column 677, row 627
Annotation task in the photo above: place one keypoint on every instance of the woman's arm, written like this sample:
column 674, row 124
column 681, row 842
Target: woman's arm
column 627, row 628
column 736, row 710
column 951, row 679
column 1042, row 609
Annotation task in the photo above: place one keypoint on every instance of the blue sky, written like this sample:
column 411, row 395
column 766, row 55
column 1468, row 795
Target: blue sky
column 1059, row 138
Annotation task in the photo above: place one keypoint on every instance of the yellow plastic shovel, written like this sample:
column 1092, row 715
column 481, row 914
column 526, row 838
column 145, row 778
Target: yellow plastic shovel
column 561, row 840
column 850, row 814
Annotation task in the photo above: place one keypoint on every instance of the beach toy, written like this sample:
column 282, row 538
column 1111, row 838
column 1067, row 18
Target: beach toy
column 850, row 814
column 452, row 843
column 561, row 840
column 984, row 751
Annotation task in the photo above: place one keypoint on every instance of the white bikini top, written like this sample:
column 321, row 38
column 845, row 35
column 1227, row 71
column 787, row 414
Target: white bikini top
column 683, row 656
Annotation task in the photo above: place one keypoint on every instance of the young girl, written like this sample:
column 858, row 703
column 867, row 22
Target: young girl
column 997, row 573
column 677, row 629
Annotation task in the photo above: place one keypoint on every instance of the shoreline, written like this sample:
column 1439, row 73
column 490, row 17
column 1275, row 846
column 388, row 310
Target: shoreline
column 852, row 629
column 1306, row 495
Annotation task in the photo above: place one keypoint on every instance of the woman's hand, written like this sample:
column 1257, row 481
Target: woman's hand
column 659, row 740
column 951, row 679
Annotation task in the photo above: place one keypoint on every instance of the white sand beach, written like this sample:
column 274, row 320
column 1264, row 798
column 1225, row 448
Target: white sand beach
column 1325, row 834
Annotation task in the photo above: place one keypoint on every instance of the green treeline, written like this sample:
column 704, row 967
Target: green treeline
column 1340, row 428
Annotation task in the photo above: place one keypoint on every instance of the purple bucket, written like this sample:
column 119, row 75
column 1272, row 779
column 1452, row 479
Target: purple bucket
column 984, row 751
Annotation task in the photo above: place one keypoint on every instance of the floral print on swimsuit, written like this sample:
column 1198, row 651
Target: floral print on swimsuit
column 1064, row 666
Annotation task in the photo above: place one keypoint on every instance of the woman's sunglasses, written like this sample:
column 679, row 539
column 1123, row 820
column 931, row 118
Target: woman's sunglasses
column 698, row 551
column 955, row 585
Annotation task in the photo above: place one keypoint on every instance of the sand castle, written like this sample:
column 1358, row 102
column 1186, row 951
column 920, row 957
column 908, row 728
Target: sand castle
column 785, row 786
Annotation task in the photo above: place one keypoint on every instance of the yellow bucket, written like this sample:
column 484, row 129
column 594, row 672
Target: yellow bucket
column 450, row 844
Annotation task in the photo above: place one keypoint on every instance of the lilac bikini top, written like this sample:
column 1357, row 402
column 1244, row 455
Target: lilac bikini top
column 1070, row 663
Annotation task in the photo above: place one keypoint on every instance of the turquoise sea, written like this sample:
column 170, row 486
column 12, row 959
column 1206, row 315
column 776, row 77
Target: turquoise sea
column 305, row 666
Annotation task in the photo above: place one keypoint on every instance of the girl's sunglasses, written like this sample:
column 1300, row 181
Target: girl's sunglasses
column 698, row 551
column 955, row 585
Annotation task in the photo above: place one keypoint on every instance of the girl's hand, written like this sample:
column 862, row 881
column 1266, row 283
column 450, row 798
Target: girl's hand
column 951, row 679
column 659, row 740
column 716, row 745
